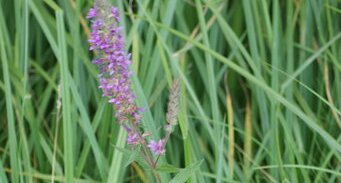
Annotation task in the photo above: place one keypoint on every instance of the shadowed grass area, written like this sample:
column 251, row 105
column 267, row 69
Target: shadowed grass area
column 259, row 102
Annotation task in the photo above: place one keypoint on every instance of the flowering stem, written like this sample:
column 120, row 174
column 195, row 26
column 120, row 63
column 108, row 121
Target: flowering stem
column 148, row 155
column 145, row 151
column 172, row 112
column 107, row 42
column 157, row 176
column 166, row 140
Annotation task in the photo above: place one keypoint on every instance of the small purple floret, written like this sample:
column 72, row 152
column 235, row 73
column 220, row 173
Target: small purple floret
column 115, row 13
column 133, row 139
column 157, row 148
column 92, row 13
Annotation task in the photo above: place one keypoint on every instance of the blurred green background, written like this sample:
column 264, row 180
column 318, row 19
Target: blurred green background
column 260, row 98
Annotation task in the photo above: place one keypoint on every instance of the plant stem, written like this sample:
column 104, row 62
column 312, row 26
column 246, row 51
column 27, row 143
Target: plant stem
column 166, row 139
column 157, row 176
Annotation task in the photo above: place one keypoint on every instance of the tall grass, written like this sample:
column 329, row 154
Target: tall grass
column 260, row 98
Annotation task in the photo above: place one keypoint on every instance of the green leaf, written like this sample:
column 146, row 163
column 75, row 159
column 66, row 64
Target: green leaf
column 167, row 168
column 184, row 174
column 3, row 177
column 132, row 155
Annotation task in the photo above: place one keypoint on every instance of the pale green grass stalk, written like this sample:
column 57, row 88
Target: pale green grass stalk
column 12, row 139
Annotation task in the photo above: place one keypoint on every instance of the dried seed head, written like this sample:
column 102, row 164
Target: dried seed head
column 173, row 104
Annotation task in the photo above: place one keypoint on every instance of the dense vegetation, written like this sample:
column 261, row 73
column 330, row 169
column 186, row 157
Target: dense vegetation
column 260, row 96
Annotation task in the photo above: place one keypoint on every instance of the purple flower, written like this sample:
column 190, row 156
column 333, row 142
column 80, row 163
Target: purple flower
column 107, row 41
column 133, row 139
column 157, row 148
column 92, row 13
column 115, row 13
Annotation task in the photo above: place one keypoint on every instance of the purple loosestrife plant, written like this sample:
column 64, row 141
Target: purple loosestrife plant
column 107, row 41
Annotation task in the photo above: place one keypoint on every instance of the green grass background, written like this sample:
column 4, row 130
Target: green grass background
column 260, row 98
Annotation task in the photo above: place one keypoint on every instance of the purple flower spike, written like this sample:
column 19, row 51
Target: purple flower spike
column 157, row 148
column 107, row 41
